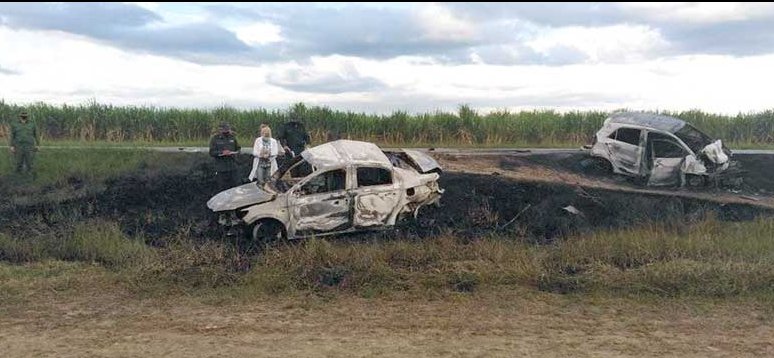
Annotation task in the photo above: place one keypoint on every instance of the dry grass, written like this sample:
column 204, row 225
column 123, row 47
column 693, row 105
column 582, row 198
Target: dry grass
column 709, row 259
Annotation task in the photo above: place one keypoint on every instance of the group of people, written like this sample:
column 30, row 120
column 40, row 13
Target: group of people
column 292, row 139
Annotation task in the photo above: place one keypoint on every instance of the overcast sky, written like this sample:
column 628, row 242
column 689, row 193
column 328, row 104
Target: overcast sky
column 380, row 57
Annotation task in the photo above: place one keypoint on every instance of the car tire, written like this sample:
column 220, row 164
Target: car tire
column 596, row 165
column 695, row 181
column 267, row 232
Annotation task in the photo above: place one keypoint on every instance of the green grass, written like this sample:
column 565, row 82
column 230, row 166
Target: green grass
column 51, row 144
column 711, row 259
column 92, row 241
column 89, row 165
column 465, row 128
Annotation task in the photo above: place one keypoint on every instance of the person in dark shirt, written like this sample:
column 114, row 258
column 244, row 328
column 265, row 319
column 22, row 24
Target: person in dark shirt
column 225, row 148
column 294, row 139
column 293, row 136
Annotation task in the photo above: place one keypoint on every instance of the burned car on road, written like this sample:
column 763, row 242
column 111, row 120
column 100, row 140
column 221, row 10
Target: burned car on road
column 660, row 150
column 337, row 187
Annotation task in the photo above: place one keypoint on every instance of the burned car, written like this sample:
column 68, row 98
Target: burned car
column 659, row 150
column 337, row 187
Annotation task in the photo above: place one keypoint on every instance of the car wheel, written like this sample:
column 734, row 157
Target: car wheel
column 267, row 232
column 695, row 180
column 596, row 165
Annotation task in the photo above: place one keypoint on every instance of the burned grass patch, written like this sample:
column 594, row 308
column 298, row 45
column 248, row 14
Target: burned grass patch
column 474, row 205
column 158, row 204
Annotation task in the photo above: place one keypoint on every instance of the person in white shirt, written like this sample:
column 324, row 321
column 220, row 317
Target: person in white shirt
column 265, row 152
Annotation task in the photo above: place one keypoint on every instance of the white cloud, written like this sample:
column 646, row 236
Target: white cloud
column 331, row 75
column 701, row 12
column 59, row 68
column 56, row 68
column 259, row 33
column 617, row 43
column 439, row 23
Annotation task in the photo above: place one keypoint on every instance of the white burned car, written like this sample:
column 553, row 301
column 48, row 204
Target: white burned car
column 659, row 150
column 337, row 187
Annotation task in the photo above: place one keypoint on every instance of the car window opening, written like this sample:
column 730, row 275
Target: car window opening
column 371, row 176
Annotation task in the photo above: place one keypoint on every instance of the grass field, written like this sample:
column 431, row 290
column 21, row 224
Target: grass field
column 710, row 259
column 92, row 165
column 97, row 123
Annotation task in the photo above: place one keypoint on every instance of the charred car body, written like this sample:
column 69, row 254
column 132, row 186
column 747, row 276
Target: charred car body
column 337, row 187
column 660, row 150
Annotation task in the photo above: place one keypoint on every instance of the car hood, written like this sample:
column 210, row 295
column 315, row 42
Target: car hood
column 237, row 197
column 425, row 162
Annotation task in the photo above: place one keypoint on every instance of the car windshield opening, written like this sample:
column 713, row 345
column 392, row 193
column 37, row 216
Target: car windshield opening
column 291, row 175
column 693, row 138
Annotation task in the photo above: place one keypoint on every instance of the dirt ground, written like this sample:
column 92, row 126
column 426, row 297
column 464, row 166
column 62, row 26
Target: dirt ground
column 487, row 324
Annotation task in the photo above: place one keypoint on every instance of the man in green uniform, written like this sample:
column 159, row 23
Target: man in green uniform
column 24, row 142
column 224, row 148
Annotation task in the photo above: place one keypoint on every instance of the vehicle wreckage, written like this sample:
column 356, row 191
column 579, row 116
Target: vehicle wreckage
column 661, row 151
column 337, row 187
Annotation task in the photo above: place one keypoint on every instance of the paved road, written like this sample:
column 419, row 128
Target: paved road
column 457, row 151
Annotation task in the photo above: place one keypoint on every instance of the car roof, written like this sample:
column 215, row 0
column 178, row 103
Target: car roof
column 651, row 120
column 341, row 153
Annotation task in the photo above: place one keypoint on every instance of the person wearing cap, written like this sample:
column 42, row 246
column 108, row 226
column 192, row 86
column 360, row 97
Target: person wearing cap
column 25, row 141
column 224, row 148
column 293, row 136
column 294, row 139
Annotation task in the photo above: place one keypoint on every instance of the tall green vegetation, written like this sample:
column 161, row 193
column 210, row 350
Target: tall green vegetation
column 98, row 122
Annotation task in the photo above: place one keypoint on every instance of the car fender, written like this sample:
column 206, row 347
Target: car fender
column 276, row 210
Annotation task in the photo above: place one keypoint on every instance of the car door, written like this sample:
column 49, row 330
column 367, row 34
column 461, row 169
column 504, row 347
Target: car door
column 667, row 157
column 321, row 203
column 625, row 151
column 376, row 196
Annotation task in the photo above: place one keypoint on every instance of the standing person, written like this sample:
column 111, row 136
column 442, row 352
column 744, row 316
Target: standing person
column 293, row 136
column 265, row 152
column 224, row 148
column 25, row 141
column 294, row 139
